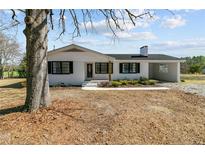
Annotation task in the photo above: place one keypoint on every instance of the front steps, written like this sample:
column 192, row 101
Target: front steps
column 92, row 83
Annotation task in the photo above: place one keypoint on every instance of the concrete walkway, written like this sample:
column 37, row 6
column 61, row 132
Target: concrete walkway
column 92, row 83
column 131, row 88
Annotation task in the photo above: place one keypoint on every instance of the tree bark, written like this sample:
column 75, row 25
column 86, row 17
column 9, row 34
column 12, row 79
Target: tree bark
column 36, row 51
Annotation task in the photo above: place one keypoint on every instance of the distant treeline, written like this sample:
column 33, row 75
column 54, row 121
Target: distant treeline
column 195, row 64
column 16, row 71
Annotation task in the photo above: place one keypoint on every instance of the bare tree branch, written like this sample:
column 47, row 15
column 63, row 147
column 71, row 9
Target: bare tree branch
column 115, row 21
column 76, row 23
column 62, row 22
column 23, row 11
column 51, row 18
column 84, row 20
column 170, row 11
column 14, row 16
column 107, row 19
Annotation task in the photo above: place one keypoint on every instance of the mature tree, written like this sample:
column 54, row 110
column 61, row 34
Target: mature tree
column 193, row 64
column 9, row 53
column 36, row 33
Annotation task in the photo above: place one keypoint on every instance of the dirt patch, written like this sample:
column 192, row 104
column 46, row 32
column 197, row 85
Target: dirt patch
column 110, row 117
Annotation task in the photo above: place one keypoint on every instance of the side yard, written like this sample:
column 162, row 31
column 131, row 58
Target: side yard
column 191, row 83
column 193, row 77
column 12, row 92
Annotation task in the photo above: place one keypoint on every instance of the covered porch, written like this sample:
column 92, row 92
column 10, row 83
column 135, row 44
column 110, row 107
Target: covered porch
column 165, row 71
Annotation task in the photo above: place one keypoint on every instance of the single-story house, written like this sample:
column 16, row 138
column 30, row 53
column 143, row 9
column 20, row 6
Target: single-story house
column 73, row 64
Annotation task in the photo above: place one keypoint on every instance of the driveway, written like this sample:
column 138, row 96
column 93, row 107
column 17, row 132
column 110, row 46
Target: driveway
column 194, row 88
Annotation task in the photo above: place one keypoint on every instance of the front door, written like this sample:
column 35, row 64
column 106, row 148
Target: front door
column 89, row 70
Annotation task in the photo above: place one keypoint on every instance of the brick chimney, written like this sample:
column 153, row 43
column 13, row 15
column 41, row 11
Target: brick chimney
column 144, row 51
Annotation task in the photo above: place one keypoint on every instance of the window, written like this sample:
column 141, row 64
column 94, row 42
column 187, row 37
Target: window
column 125, row 68
column 103, row 68
column 60, row 67
column 56, row 67
column 129, row 68
column 65, row 67
column 133, row 67
column 163, row 68
column 97, row 68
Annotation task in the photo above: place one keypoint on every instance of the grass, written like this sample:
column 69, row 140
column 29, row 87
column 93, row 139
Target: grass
column 15, row 74
column 103, row 117
column 193, row 78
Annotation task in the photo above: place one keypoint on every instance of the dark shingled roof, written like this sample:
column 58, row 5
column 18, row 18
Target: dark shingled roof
column 119, row 56
column 140, row 57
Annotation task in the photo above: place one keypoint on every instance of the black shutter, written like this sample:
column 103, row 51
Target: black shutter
column 129, row 67
column 71, row 67
column 49, row 67
column 61, row 69
column 120, row 67
column 112, row 68
column 138, row 67
column 107, row 68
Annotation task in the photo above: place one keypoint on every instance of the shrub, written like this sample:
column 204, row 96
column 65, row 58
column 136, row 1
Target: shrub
column 152, row 82
column 22, row 73
column 116, row 83
column 141, row 82
column 148, row 82
column 143, row 79
column 133, row 82
column 124, row 82
column 130, row 82
column 195, row 68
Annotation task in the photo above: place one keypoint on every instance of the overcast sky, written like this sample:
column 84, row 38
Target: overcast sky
column 179, row 34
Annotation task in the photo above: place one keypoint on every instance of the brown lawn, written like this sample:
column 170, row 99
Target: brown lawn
column 104, row 117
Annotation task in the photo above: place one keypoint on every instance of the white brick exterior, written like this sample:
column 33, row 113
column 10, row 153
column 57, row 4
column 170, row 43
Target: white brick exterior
column 81, row 58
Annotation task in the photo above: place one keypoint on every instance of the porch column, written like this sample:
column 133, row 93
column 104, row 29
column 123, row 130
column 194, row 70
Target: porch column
column 144, row 69
column 110, row 71
column 178, row 71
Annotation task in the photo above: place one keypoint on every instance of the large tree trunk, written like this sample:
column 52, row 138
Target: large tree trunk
column 36, row 51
